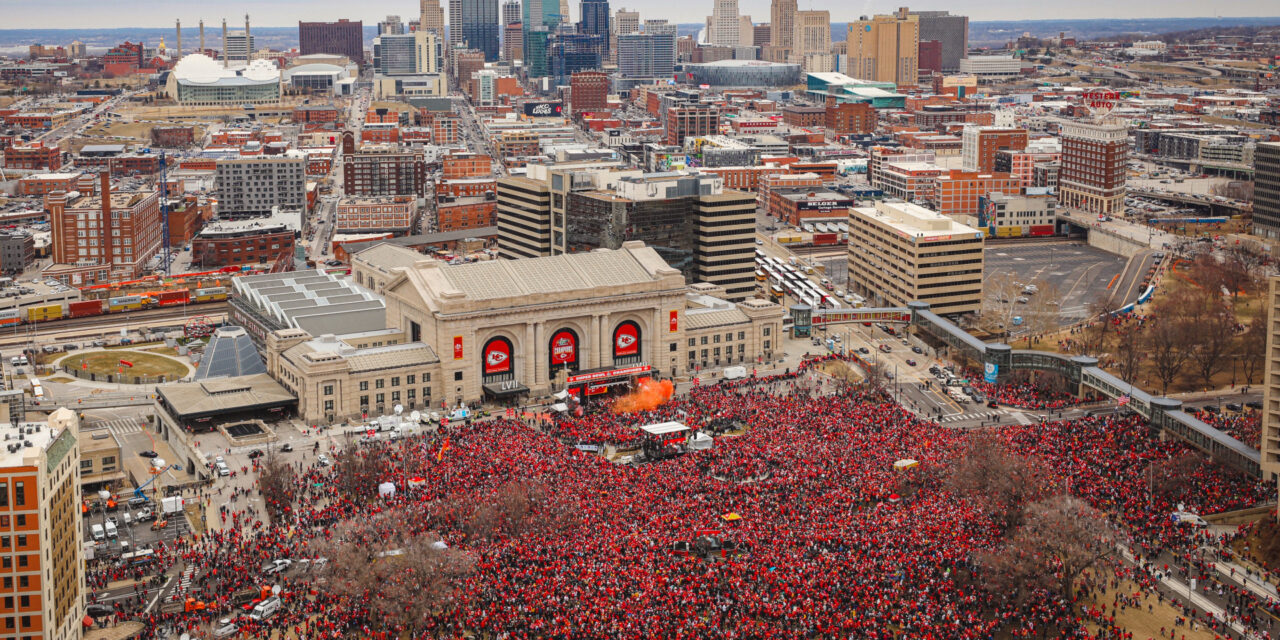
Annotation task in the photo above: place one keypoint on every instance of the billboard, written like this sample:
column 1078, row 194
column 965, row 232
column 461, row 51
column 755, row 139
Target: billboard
column 497, row 356
column 564, row 347
column 626, row 339
column 990, row 373
column 543, row 109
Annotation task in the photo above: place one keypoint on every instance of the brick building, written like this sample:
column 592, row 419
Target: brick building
column 457, row 166
column 41, row 184
column 795, row 205
column 589, row 91
column 957, row 192
column 383, row 171
column 186, row 217
column 102, row 237
column 980, row 144
column 470, row 212
column 745, row 178
column 1093, row 171
column 467, row 187
column 236, row 243
column 799, row 116
column 17, row 250
column 173, row 137
column 317, row 113
column 849, row 118
column 34, row 158
column 394, row 214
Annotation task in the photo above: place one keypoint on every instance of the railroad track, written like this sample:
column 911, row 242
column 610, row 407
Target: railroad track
column 94, row 327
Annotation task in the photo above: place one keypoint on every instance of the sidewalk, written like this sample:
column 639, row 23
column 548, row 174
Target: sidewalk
column 1181, row 590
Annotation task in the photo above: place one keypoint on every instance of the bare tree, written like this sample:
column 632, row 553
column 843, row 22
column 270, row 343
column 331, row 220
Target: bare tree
column 999, row 482
column 1169, row 339
column 999, row 307
column 1251, row 346
column 1059, row 540
column 276, row 484
column 512, row 510
column 1214, row 327
column 877, row 379
column 1093, row 338
column 1171, row 478
column 392, row 569
column 1128, row 353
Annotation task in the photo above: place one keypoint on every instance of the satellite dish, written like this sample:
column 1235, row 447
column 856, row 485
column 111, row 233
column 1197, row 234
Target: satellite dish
column 415, row 416
column 104, row 495
column 157, row 463
column 399, row 409
column 275, row 590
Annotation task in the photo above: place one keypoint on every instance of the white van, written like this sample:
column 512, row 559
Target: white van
column 734, row 373
column 98, row 535
column 266, row 608
column 111, row 530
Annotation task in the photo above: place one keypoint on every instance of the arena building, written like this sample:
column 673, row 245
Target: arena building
column 200, row 80
column 743, row 73
column 507, row 330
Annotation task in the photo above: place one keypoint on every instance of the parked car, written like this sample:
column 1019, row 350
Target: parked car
column 917, row 350
column 146, row 514
column 255, row 454
column 910, row 362
column 148, row 454
column 286, row 447
column 276, row 566
column 323, row 460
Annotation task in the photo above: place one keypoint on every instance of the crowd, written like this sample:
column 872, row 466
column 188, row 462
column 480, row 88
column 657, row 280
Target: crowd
column 1245, row 427
column 1024, row 395
column 837, row 547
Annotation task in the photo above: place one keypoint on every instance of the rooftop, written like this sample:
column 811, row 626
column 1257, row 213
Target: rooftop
column 916, row 222
column 314, row 301
column 224, row 395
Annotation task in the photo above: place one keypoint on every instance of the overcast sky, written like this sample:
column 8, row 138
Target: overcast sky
column 67, row 14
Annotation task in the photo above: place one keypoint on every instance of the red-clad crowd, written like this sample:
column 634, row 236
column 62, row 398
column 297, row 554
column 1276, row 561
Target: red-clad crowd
column 830, row 549
column 1023, row 395
column 1245, row 427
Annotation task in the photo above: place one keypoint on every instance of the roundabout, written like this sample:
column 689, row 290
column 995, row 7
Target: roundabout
column 116, row 361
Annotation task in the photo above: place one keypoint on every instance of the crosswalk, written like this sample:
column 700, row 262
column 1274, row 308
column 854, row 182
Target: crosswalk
column 964, row 417
column 119, row 427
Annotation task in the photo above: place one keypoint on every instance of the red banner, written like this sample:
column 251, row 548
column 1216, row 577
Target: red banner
column 675, row 321
column 564, row 347
column 127, row 363
column 457, row 347
column 626, row 340
column 497, row 357
column 611, row 373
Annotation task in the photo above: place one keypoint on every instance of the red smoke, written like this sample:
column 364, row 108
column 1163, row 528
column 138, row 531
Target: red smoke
column 649, row 394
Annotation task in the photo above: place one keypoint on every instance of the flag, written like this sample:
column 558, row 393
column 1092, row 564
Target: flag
column 444, row 447
column 1122, row 401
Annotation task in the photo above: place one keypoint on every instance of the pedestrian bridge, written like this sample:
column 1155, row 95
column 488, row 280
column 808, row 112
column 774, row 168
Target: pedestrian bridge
column 1083, row 372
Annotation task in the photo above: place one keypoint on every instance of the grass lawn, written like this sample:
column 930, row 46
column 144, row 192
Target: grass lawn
column 144, row 364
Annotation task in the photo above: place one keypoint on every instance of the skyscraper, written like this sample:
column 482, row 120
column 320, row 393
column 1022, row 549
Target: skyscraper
column 624, row 22
column 392, row 25
column 406, row 53
column 342, row 37
column 647, row 55
column 723, row 28
column 474, row 25
column 1266, row 190
column 782, row 14
column 432, row 17
column 564, row 12
column 811, row 39
column 595, row 18
column 952, row 32
column 885, row 48
column 511, row 12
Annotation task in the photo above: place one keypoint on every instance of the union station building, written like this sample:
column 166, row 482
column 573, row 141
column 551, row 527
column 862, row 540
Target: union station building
column 511, row 331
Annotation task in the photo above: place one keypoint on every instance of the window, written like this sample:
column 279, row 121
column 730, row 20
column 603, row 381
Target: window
column 19, row 494
column 426, row 394
column 379, row 383
column 4, row 542
column 395, row 381
column 457, row 376
column 766, row 345
column 766, row 332
column 364, row 402
column 364, row 385
column 692, row 342
column 106, row 460
column 742, row 335
column 328, row 390
column 4, row 494
column 411, row 379
column 715, row 339
column 728, row 337
column 671, row 347
column 381, row 398
column 395, row 397
column 328, row 405
column 86, row 465
column 704, row 339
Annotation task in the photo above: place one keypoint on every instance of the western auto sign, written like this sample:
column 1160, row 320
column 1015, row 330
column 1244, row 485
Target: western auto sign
column 674, row 322
column 457, row 347
column 626, row 339
column 564, row 347
column 497, row 356
column 1101, row 102
column 610, row 373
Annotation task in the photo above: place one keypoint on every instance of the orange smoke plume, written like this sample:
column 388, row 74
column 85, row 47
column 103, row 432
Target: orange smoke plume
column 649, row 394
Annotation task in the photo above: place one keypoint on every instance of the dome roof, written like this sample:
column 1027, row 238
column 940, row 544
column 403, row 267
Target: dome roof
column 197, row 68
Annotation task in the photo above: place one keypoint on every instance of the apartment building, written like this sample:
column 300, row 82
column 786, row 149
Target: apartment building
column 980, row 144
column 254, row 186
column 103, row 237
column 958, row 192
column 1094, row 164
column 394, row 214
column 384, row 170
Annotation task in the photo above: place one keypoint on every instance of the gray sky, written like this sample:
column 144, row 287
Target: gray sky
column 64, row 14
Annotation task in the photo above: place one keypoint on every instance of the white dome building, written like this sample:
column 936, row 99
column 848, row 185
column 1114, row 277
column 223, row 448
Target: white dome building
column 200, row 80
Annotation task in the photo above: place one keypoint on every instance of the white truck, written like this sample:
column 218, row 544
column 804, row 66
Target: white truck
column 171, row 505
column 735, row 373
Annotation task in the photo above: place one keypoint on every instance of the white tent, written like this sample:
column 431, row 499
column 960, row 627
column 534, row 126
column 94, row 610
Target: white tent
column 560, row 407
column 699, row 441
column 387, row 489
column 664, row 428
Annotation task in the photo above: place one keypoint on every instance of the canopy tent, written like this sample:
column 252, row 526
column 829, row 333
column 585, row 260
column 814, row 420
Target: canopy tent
column 664, row 428
column 700, row 441
column 905, row 463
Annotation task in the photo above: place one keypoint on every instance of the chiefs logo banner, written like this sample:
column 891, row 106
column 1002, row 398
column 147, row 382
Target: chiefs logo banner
column 497, row 357
column 626, row 340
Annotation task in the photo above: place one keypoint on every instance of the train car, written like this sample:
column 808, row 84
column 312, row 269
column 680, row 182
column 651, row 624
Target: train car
column 211, row 294
column 86, row 308
column 169, row 298
column 44, row 313
column 124, row 303
column 10, row 317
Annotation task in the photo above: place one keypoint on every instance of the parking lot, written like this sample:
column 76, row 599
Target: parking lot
column 1078, row 272
column 132, row 534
